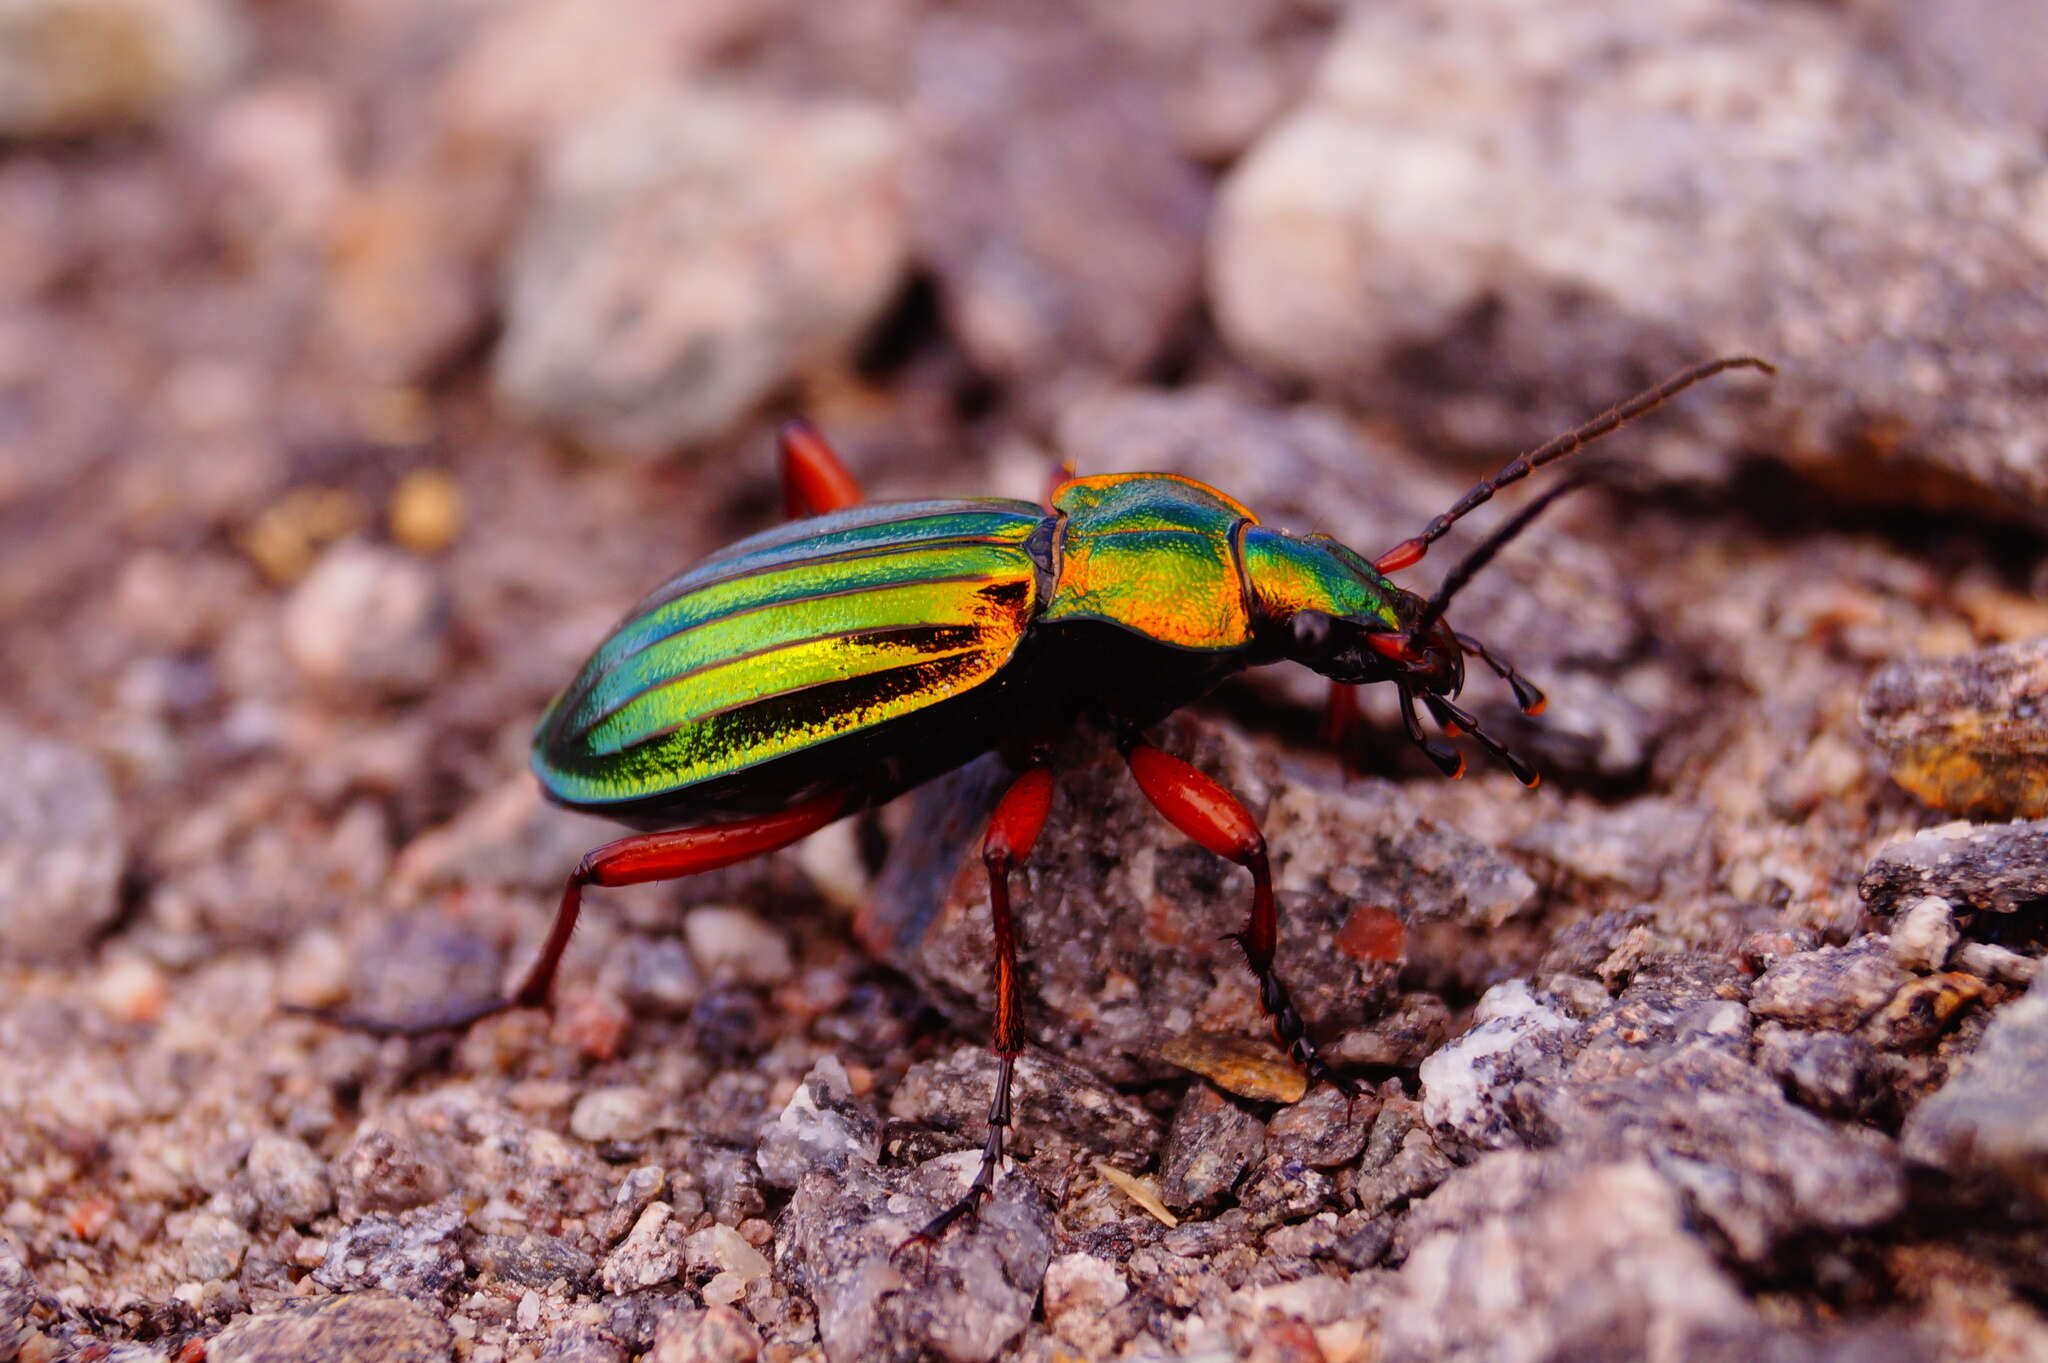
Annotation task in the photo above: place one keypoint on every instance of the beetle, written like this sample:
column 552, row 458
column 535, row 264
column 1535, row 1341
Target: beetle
column 834, row 662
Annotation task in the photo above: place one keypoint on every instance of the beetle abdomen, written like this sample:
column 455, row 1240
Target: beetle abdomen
column 810, row 632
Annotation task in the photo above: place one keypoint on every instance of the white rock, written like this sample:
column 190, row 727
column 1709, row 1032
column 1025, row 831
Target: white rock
column 1924, row 933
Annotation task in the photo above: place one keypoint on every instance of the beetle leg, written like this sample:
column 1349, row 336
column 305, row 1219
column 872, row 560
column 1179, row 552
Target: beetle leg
column 636, row 860
column 1526, row 693
column 1056, row 477
column 1209, row 814
column 1012, row 832
column 1342, row 719
column 814, row 478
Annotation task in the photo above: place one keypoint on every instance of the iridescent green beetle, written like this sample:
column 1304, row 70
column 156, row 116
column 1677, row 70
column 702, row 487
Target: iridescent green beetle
column 831, row 664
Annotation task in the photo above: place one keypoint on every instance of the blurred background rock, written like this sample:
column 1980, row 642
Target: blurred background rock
column 361, row 360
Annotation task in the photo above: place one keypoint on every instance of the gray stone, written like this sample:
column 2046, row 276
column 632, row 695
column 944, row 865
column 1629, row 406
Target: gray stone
column 1994, row 868
column 1991, row 1117
column 288, row 1180
column 1373, row 235
column 61, row 848
column 1401, row 1162
column 691, row 250
column 1325, row 1129
column 1466, row 1085
column 1048, row 197
column 1834, row 1073
column 345, row 1329
column 1049, row 1098
column 214, row 1246
column 821, row 1127
column 1210, row 1144
column 651, row 1254
column 533, row 1261
column 2002, row 964
column 1539, row 1258
column 583, row 1342
column 396, row 1162
column 1648, row 847
column 416, row 1254
column 369, row 617
column 1833, row 987
column 966, row 1303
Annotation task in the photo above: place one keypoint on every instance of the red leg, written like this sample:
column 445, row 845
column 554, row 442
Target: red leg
column 1342, row 719
column 1209, row 814
column 814, row 478
column 629, row 861
column 1057, row 477
column 1012, row 832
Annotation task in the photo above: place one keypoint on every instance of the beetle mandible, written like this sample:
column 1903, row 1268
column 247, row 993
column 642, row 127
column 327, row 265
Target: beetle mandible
column 836, row 661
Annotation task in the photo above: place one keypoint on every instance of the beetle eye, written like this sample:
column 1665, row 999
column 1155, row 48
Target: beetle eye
column 1311, row 629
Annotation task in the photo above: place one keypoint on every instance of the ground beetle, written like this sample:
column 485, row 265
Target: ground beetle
column 831, row 664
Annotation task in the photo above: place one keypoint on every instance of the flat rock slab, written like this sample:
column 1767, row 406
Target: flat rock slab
column 962, row 1299
column 1994, row 868
column 362, row 1325
column 1967, row 734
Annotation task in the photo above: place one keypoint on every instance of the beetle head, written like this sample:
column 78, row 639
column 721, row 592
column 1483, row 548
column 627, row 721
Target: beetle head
column 1363, row 649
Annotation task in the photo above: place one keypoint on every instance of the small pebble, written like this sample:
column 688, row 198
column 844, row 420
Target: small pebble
column 1992, row 962
column 1209, row 1146
column 1079, row 1290
column 724, row 1250
column 131, row 989
column 821, row 1126
column 426, row 511
column 315, row 971
column 61, row 849
column 733, row 946
column 651, row 1254
column 1325, row 1129
column 1924, row 933
column 1834, row 1073
column 620, row 1112
column 717, row 1334
column 360, row 1325
column 214, row 1247
column 1833, row 987
column 288, row 1180
column 369, row 617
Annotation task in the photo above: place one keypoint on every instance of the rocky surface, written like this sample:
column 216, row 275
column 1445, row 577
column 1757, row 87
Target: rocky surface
column 1724, row 1043
column 1398, row 222
column 1968, row 734
column 784, row 231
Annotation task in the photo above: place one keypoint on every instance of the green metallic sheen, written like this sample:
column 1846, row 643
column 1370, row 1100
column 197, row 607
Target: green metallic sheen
column 829, row 627
column 1155, row 554
column 889, row 608
column 1291, row 573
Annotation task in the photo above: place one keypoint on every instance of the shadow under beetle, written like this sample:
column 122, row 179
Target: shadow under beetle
column 831, row 664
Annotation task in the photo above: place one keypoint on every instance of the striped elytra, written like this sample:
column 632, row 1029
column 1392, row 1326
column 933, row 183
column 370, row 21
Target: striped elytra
column 813, row 631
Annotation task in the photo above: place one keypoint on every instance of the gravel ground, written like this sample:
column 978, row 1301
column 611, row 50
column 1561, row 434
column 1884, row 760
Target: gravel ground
column 360, row 361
